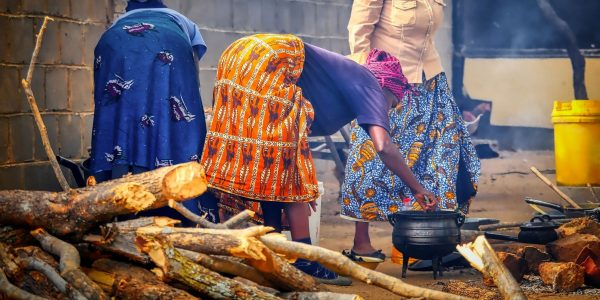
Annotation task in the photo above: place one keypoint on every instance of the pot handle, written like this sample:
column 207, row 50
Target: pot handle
column 545, row 204
column 460, row 219
column 503, row 237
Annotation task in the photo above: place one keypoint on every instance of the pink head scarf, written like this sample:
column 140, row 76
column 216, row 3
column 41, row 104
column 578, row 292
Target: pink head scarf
column 388, row 72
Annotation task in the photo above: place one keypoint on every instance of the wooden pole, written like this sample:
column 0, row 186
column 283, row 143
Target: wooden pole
column 36, row 112
column 554, row 187
column 483, row 258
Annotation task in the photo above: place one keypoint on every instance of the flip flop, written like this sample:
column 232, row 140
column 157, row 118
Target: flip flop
column 375, row 257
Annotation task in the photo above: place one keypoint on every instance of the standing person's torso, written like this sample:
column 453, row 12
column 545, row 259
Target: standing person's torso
column 405, row 29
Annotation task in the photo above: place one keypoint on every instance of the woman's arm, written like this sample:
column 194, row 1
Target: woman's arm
column 393, row 160
column 365, row 15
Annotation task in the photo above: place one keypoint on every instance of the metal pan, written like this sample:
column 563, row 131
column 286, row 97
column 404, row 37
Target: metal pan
column 569, row 212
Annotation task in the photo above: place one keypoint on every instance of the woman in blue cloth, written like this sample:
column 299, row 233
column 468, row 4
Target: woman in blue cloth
column 148, row 112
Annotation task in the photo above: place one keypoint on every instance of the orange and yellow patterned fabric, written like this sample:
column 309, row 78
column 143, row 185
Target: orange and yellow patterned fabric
column 257, row 145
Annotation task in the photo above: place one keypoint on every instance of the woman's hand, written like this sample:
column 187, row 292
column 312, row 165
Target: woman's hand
column 426, row 199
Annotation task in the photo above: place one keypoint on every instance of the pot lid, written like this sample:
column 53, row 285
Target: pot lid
column 539, row 223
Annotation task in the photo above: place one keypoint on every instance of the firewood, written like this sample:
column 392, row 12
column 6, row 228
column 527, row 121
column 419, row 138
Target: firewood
column 565, row 277
column 16, row 269
column 178, row 182
column 71, row 212
column 225, row 265
column 579, row 225
column 130, row 282
column 13, row 292
column 285, row 276
column 15, row 237
column 515, row 265
column 533, row 257
column 75, row 212
column 54, row 277
column 233, row 222
column 344, row 266
column 177, row 267
column 69, row 264
column 567, row 249
column 483, row 258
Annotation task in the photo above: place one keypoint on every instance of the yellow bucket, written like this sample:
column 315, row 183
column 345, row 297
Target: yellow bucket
column 577, row 142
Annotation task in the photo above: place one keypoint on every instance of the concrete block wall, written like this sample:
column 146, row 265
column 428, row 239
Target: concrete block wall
column 62, row 84
column 319, row 22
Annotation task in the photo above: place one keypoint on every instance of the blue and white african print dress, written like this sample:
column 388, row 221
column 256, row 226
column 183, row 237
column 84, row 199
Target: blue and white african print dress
column 148, row 111
column 429, row 130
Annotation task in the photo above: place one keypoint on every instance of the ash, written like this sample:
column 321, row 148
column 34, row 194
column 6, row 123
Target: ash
column 532, row 284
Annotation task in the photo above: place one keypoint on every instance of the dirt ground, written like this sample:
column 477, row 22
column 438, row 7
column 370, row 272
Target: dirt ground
column 504, row 183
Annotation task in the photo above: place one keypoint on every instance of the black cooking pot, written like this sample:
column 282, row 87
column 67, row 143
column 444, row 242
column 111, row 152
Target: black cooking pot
column 540, row 230
column 426, row 235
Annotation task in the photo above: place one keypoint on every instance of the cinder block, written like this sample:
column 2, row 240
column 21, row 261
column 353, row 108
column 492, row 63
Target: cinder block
column 40, row 177
column 99, row 10
column 303, row 17
column 57, row 89
column 284, row 17
column 71, row 44
column 268, row 17
column 217, row 42
column 12, row 6
column 91, row 36
column 22, row 136
column 207, row 83
column 343, row 18
column 210, row 13
column 60, row 8
column 51, row 123
column 247, row 15
column 21, row 39
column 35, row 6
column 326, row 20
column 10, row 87
column 80, row 10
column 87, row 122
column 5, row 49
column 12, row 177
column 5, row 156
column 50, row 51
column 81, row 97
column 69, row 136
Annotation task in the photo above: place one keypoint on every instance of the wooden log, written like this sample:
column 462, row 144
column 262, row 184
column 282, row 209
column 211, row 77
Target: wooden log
column 567, row 249
column 54, row 277
column 71, row 212
column 177, row 267
column 344, row 266
column 279, row 271
column 225, row 265
column 69, row 264
column 554, row 187
column 15, row 237
column 579, row 226
column 13, row 265
column 233, row 222
column 178, row 182
column 239, row 219
column 533, row 257
column 126, row 281
column 13, row 292
column 483, row 258
column 80, row 209
column 515, row 265
column 563, row 277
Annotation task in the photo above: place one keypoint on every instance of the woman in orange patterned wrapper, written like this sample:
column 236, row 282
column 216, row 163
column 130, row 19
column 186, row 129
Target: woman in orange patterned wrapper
column 271, row 92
